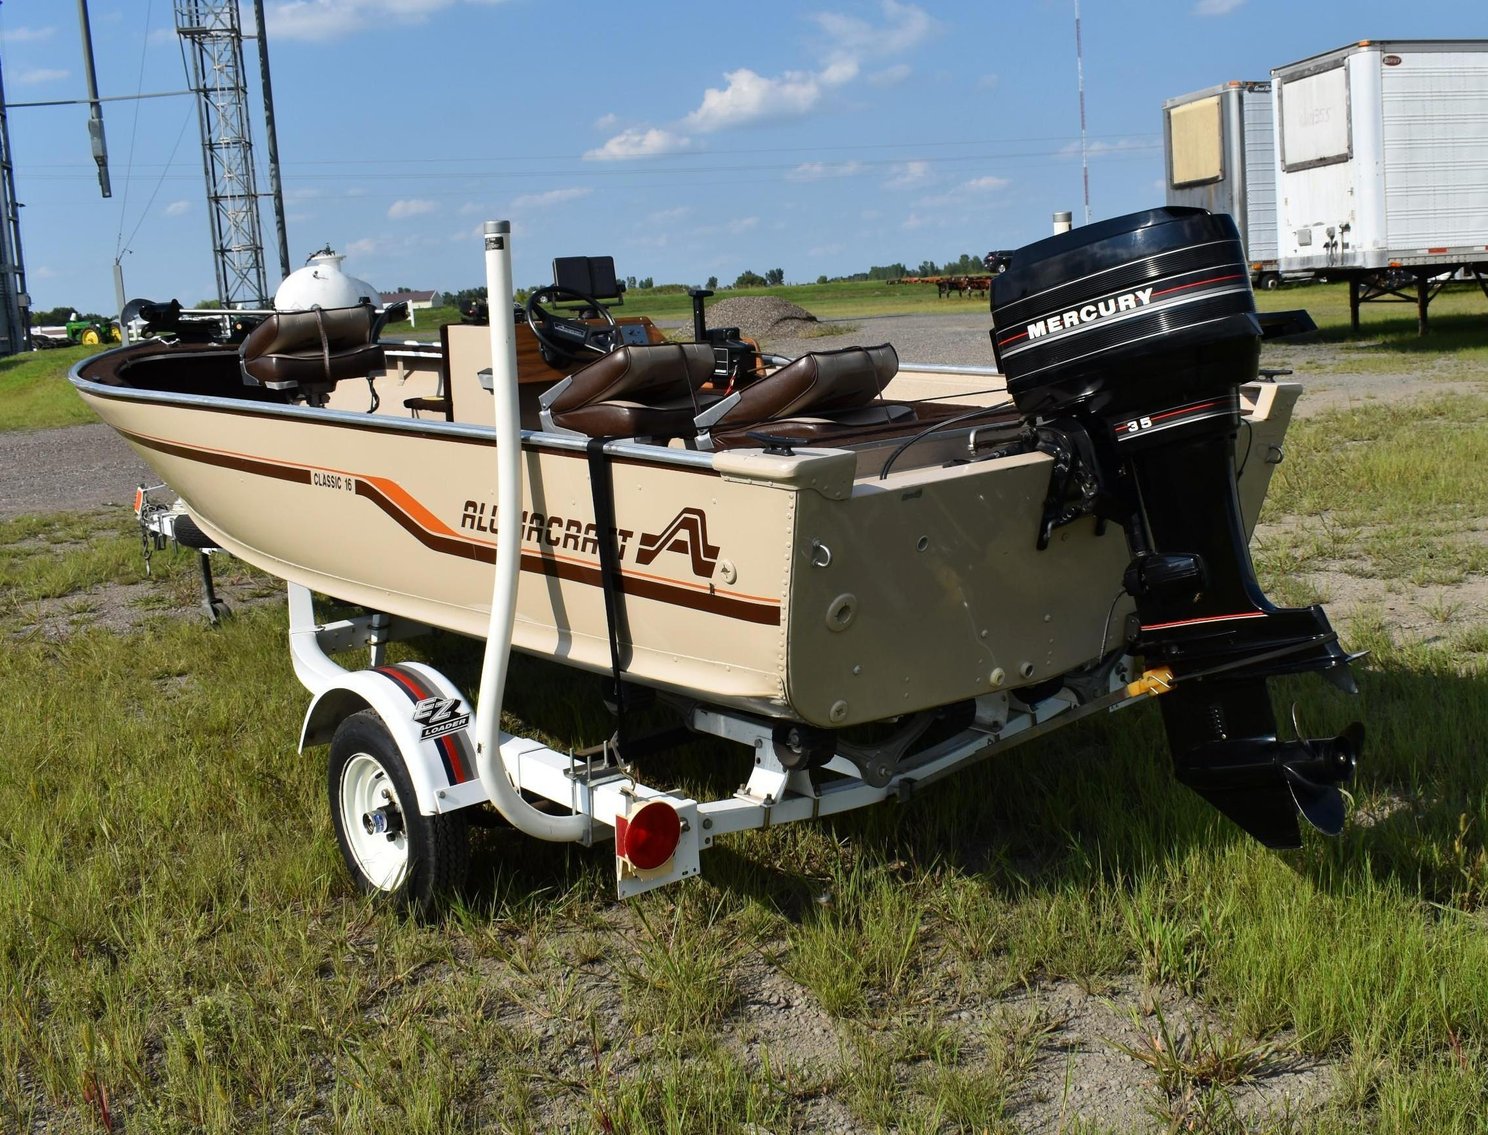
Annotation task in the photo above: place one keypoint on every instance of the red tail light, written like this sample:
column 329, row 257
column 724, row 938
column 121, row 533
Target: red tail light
column 648, row 837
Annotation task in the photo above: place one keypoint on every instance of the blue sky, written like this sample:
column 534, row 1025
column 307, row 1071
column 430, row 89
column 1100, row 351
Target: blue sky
column 687, row 140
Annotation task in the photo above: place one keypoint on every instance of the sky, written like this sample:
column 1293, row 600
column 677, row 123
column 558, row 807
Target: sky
column 686, row 140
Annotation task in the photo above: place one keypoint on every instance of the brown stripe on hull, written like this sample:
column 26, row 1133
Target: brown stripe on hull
column 710, row 601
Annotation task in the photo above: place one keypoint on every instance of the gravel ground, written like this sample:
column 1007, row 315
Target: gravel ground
column 67, row 470
column 959, row 339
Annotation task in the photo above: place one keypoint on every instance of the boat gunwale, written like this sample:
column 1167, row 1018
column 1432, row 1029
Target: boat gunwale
column 694, row 460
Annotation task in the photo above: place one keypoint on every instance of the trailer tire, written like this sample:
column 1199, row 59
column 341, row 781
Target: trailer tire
column 421, row 860
column 1270, row 281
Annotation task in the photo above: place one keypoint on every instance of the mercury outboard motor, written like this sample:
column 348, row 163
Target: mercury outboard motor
column 1125, row 343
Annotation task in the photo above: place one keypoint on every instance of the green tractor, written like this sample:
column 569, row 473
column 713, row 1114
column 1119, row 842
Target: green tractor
column 92, row 332
column 77, row 331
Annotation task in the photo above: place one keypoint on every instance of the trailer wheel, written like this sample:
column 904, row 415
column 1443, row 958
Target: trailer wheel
column 391, row 850
column 1270, row 281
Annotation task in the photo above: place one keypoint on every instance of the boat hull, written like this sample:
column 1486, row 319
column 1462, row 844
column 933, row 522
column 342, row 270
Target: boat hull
column 795, row 586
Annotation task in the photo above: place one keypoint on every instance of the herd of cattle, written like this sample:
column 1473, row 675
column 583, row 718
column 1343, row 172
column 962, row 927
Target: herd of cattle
column 996, row 263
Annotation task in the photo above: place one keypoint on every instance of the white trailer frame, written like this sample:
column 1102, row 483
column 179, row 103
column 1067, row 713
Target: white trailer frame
column 602, row 791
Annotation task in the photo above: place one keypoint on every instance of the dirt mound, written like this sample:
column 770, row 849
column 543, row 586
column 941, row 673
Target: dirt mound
column 758, row 317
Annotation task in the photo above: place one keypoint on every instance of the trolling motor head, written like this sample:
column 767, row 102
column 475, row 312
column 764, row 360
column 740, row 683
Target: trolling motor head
column 1125, row 344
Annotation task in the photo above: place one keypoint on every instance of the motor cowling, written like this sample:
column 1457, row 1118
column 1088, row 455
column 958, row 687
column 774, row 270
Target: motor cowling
column 1124, row 344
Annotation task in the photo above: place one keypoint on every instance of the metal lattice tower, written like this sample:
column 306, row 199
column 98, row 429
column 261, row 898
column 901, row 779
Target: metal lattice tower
column 213, row 37
column 14, row 316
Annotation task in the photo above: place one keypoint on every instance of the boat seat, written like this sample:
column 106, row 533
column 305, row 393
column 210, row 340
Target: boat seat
column 884, row 421
column 637, row 390
column 312, row 350
column 819, row 389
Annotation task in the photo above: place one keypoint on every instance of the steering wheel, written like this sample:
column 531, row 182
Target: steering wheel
column 565, row 340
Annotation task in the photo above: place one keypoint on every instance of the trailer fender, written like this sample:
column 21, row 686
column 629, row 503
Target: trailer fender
column 427, row 716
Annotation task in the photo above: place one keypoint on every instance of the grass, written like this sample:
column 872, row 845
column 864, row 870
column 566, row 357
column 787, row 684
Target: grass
column 180, row 949
column 35, row 394
column 1400, row 498
column 177, row 936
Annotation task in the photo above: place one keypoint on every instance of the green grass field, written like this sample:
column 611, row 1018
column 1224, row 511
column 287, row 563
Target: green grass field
column 180, row 949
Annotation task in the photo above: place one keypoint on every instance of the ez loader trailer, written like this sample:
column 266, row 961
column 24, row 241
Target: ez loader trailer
column 1382, row 167
column 1219, row 151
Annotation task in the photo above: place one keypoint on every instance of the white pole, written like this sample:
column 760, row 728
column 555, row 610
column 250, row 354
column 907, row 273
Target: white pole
column 119, row 300
column 1084, row 153
column 488, row 735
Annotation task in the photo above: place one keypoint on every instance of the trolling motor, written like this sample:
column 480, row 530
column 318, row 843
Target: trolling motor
column 1124, row 344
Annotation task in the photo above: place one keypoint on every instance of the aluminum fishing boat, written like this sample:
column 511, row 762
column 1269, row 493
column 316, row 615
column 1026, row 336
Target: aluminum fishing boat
column 869, row 572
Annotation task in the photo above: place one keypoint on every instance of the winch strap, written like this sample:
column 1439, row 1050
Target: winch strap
column 602, row 487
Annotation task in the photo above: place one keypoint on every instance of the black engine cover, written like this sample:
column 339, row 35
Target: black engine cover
column 1126, row 316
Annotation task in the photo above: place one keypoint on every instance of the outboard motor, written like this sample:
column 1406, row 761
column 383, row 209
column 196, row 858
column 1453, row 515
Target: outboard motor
column 1125, row 343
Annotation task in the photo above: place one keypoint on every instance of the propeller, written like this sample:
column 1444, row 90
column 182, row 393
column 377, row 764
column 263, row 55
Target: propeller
column 1314, row 777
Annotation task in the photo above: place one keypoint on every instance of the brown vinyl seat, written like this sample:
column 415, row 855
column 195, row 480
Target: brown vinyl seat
column 816, row 393
column 637, row 390
column 311, row 351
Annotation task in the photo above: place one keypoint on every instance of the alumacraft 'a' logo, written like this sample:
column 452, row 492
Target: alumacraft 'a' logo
column 1090, row 312
column 439, row 716
column 687, row 533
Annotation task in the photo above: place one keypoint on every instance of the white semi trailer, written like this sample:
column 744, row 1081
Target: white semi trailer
column 1382, row 166
column 1220, row 155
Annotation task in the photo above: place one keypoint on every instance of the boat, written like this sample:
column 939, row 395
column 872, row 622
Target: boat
column 868, row 572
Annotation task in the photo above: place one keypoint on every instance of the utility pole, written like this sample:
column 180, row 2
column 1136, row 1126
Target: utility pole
column 95, row 108
column 272, row 135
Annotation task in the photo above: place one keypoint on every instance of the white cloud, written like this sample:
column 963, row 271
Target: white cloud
column 988, row 82
column 915, row 221
column 40, row 75
column 45, row 273
column 551, row 197
column 905, row 26
column 669, row 216
column 607, row 122
column 26, row 35
column 364, row 247
column 747, row 97
column 890, row 76
column 1216, row 7
column 751, row 97
column 410, row 207
column 817, row 171
column 965, row 193
column 741, row 225
column 333, row 19
column 1100, row 147
column 638, row 143
column 178, row 208
column 908, row 174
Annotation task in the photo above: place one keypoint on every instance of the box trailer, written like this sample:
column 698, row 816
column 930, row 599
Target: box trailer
column 1382, row 164
column 1220, row 155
